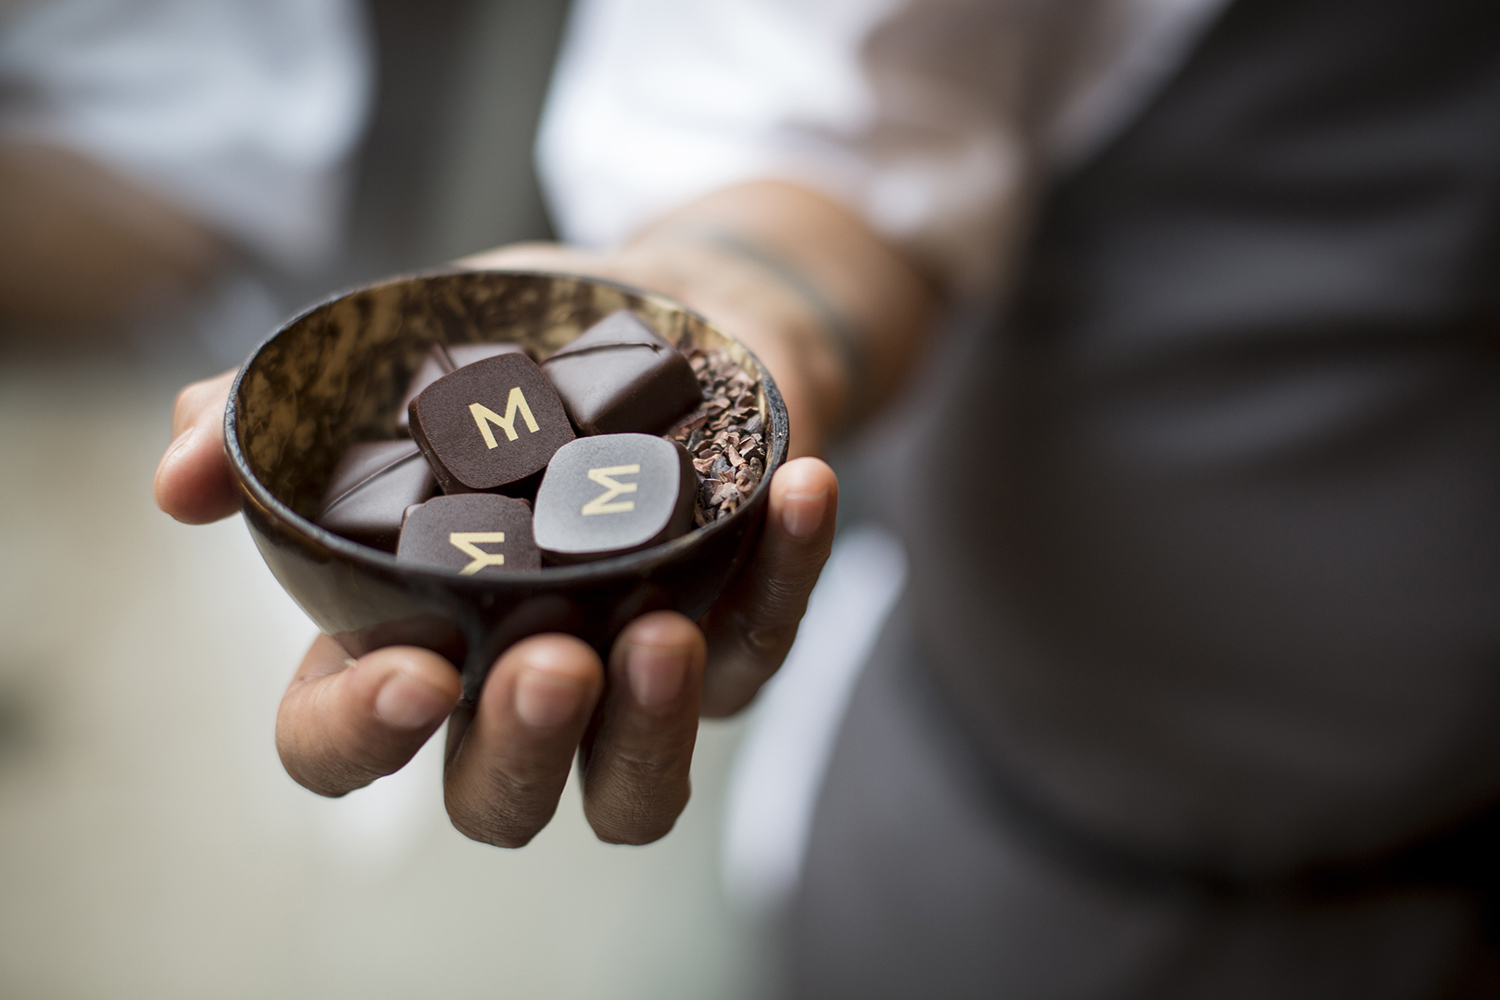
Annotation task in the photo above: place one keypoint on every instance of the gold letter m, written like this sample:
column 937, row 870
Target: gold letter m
column 605, row 477
column 465, row 542
column 484, row 416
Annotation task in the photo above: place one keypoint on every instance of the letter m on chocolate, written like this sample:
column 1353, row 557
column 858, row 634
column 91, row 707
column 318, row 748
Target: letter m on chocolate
column 612, row 488
column 484, row 417
column 466, row 542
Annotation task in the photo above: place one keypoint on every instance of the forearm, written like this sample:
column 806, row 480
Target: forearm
column 81, row 246
column 836, row 312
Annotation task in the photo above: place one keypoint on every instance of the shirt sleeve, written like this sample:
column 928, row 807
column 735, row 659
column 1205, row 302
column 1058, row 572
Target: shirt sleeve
column 241, row 111
column 935, row 120
column 868, row 101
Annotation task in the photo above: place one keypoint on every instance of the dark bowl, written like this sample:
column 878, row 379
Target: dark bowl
column 336, row 374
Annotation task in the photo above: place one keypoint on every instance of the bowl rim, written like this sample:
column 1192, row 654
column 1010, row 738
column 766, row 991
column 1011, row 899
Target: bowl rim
column 632, row 563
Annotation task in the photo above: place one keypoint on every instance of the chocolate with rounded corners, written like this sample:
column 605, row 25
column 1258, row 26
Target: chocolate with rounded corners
column 621, row 376
column 614, row 493
column 440, row 361
column 372, row 486
column 472, row 534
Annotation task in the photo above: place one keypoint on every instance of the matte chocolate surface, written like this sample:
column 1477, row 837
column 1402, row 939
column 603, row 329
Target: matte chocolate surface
column 613, row 493
column 442, row 360
column 491, row 425
column 371, row 488
column 474, row 534
column 621, row 376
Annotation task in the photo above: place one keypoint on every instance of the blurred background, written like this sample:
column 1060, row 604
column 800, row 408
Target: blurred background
column 176, row 177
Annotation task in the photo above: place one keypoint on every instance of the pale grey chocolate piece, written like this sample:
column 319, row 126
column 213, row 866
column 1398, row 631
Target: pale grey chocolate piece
column 620, row 376
column 440, row 361
column 611, row 494
column 371, row 488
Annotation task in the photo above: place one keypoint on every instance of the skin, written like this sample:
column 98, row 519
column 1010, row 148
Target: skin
column 632, row 721
column 82, row 248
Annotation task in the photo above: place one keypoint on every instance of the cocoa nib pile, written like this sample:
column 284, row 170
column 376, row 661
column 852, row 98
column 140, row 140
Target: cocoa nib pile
column 725, row 436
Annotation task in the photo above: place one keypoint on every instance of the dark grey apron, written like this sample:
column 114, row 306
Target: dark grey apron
column 1204, row 635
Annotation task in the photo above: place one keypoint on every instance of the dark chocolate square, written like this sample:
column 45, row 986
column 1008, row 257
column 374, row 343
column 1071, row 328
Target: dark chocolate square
column 474, row 534
column 440, row 361
column 492, row 425
column 621, row 376
column 371, row 488
column 613, row 493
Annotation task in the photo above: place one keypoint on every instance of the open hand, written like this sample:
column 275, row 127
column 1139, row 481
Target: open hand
column 344, row 723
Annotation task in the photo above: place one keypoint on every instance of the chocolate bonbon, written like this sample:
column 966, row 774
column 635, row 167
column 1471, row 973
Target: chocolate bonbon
column 497, row 426
column 621, row 376
column 613, row 493
column 371, row 488
column 476, row 534
column 443, row 359
column 492, row 425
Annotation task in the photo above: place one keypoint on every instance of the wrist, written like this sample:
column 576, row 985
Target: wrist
column 775, row 321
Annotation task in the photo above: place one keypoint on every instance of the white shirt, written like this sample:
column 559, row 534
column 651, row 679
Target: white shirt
column 935, row 120
column 931, row 118
column 241, row 111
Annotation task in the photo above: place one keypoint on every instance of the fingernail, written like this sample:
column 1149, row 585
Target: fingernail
column 802, row 515
column 768, row 639
column 545, row 699
column 655, row 674
column 407, row 703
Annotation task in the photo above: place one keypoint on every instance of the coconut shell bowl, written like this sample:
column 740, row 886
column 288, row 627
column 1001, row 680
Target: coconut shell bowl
column 335, row 375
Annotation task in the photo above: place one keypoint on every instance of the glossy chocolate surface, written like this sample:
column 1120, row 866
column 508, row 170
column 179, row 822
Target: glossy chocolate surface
column 472, row 534
column 614, row 493
column 621, row 376
column 371, row 488
column 334, row 376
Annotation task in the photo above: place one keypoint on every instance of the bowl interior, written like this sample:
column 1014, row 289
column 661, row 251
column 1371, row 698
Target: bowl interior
column 336, row 374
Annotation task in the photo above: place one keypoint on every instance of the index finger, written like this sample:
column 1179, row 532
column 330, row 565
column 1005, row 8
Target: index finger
column 193, row 482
